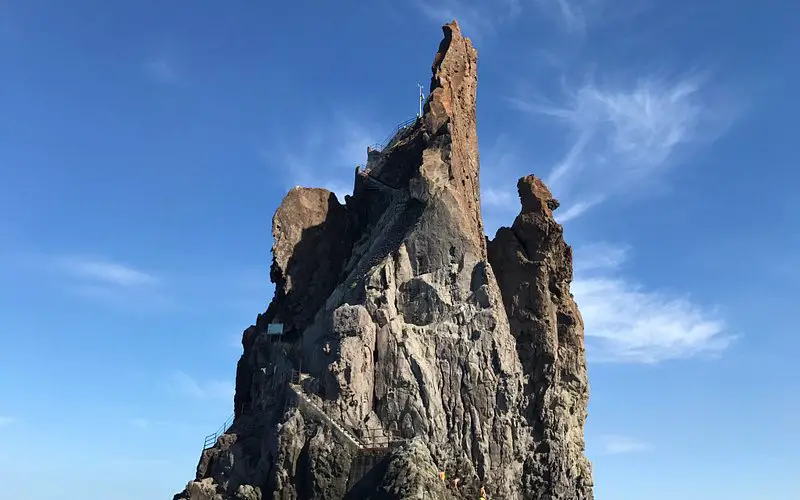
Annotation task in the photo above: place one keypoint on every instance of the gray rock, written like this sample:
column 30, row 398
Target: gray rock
column 404, row 356
column 533, row 265
column 412, row 475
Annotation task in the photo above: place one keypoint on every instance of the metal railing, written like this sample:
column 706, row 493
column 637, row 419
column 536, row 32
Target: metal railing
column 378, row 438
column 371, row 439
column 304, row 400
column 386, row 142
column 211, row 439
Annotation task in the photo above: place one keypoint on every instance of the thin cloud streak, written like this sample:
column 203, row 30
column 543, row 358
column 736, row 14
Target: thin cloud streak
column 600, row 255
column 625, row 323
column 114, row 284
column 184, row 383
column 569, row 12
column 570, row 161
column 477, row 19
column 499, row 170
column 614, row 444
column 163, row 70
column 145, row 423
column 105, row 271
column 577, row 17
column 500, row 198
column 326, row 156
column 575, row 211
column 140, row 423
column 625, row 138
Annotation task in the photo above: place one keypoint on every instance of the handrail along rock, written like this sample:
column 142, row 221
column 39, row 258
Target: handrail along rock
column 211, row 439
column 388, row 140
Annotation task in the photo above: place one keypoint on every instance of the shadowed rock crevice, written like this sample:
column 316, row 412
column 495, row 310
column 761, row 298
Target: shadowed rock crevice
column 410, row 339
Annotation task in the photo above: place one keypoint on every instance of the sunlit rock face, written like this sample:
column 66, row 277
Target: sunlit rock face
column 417, row 359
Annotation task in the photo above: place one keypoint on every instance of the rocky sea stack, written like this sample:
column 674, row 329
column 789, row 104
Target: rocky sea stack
column 404, row 355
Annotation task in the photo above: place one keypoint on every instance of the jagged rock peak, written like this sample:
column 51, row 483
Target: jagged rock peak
column 410, row 347
column 535, row 196
column 533, row 266
column 451, row 102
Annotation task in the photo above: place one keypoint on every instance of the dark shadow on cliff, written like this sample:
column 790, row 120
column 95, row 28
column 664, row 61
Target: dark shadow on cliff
column 317, row 266
column 366, row 488
column 313, row 270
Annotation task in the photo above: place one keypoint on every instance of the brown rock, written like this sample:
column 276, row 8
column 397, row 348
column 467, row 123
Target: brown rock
column 312, row 236
column 452, row 103
column 397, row 332
column 533, row 266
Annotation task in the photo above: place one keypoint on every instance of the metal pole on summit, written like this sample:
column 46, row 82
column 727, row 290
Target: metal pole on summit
column 421, row 98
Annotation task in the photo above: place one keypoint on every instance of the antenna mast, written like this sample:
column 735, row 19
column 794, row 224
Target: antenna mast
column 421, row 99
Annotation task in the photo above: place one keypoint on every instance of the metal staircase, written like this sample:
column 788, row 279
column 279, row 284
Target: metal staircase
column 371, row 450
column 390, row 138
column 210, row 440
column 242, row 427
column 305, row 402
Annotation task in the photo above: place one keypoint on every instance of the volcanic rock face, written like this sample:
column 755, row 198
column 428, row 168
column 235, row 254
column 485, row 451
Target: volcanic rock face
column 533, row 266
column 403, row 356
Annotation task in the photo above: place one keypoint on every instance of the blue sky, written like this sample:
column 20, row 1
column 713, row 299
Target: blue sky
column 145, row 145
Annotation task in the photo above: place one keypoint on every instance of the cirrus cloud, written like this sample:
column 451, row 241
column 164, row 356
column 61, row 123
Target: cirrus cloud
column 184, row 383
column 625, row 137
column 4, row 421
column 162, row 69
column 628, row 323
column 104, row 271
column 615, row 444
column 476, row 18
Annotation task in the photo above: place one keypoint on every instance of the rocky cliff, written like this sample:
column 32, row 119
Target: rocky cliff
column 411, row 345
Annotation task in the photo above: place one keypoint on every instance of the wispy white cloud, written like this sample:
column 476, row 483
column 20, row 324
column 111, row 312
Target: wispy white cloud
column 145, row 423
column 502, row 198
column 576, row 17
column 627, row 136
column 570, row 13
column 121, row 463
column 162, row 69
column 613, row 444
column 242, row 288
column 600, row 255
column 100, row 270
column 235, row 341
column 476, row 18
column 5, row 421
column 129, row 287
column 184, row 383
column 112, row 283
column 327, row 155
column 141, row 423
column 624, row 322
column 500, row 166
column 576, row 210
column 572, row 159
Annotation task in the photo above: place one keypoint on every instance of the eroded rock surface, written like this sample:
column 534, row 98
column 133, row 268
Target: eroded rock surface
column 533, row 266
column 403, row 355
